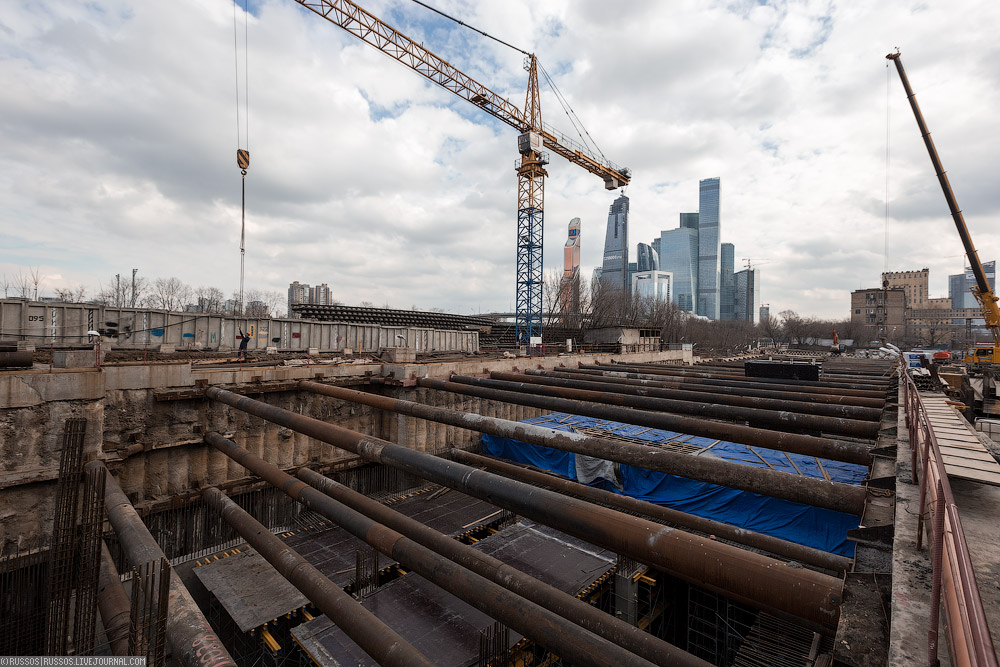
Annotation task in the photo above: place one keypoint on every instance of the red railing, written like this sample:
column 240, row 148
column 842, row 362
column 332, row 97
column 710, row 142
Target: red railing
column 953, row 579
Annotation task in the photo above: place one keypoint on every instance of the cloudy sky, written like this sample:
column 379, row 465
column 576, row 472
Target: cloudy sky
column 118, row 135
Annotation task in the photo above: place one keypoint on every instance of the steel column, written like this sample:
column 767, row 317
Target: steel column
column 798, row 443
column 725, row 531
column 192, row 640
column 738, row 574
column 566, row 606
column 797, row 488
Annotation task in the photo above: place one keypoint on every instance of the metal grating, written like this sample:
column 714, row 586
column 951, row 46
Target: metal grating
column 23, row 602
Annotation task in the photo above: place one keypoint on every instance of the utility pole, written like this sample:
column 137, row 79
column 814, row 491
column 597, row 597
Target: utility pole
column 118, row 290
column 132, row 302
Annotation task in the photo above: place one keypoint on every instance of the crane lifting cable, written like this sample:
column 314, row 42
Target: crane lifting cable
column 242, row 137
column 581, row 131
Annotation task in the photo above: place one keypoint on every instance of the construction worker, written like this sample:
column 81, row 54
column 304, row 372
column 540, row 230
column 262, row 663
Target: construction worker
column 244, row 341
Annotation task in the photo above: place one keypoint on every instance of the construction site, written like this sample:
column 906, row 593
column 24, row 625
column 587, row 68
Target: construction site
column 360, row 485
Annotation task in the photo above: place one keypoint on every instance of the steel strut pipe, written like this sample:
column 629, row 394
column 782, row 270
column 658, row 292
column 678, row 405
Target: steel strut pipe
column 774, row 545
column 796, row 443
column 365, row 629
column 678, row 384
column 777, row 419
column 719, row 388
column 114, row 604
column 741, row 575
column 582, row 613
column 192, row 640
column 559, row 635
column 796, row 488
column 738, row 381
column 801, row 407
column 577, row 611
column 666, row 370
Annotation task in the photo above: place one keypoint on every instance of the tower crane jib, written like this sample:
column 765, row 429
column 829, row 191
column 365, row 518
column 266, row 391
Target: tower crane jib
column 534, row 136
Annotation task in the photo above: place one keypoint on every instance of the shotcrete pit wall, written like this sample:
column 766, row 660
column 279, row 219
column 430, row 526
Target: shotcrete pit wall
column 154, row 447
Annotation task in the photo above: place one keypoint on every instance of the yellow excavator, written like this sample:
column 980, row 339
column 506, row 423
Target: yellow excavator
column 982, row 355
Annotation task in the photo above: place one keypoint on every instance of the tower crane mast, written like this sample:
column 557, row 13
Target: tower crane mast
column 534, row 136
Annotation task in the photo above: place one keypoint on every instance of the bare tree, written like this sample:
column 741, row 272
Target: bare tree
column 71, row 295
column 210, row 299
column 168, row 294
column 22, row 285
column 36, row 279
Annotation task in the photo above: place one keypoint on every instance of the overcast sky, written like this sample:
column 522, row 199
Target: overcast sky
column 118, row 139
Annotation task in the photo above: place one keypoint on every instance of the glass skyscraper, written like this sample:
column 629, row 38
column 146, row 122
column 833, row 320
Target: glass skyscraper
column 646, row 259
column 746, row 291
column 726, row 268
column 679, row 256
column 959, row 286
column 614, row 268
column 708, row 248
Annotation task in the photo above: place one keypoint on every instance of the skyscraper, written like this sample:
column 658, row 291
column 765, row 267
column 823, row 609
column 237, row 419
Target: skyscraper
column 646, row 259
column 656, row 247
column 726, row 268
column 679, row 256
column 569, row 285
column 708, row 248
column 747, row 294
column 614, row 268
column 689, row 220
column 959, row 286
column 320, row 294
column 652, row 284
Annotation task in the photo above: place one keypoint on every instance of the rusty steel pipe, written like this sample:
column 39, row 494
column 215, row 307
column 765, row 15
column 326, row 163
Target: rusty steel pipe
column 765, row 383
column 192, row 640
column 114, row 604
column 721, row 388
column 365, row 629
column 797, row 488
column 584, row 614
column 774, row 545
column 797, row 443
column 744, row 576
column 563, row 604
column 667, row 370
column 559, row 635
column 801, row 407
column 775, row 419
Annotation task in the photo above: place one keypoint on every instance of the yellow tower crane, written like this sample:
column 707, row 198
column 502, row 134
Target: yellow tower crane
column 534, row 136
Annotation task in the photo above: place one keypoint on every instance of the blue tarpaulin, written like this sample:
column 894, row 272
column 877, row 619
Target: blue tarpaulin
column 812, row 526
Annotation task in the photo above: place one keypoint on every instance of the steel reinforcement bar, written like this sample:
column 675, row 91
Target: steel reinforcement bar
column 191, row 638
column 797, row 488
column 741, row 575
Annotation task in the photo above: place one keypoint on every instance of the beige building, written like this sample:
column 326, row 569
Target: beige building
column 874, row 309
column 914, row 285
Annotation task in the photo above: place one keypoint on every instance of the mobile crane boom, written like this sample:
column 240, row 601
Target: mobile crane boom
column 982, row 291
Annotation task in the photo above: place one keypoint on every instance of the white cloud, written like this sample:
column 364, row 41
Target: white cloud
column 118, row 127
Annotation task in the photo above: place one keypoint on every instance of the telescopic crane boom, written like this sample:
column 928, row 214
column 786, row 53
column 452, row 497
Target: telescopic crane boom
column 982, row 291
column 534, row 136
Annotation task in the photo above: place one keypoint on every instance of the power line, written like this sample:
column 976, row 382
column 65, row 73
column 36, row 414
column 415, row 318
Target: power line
column 484, row 34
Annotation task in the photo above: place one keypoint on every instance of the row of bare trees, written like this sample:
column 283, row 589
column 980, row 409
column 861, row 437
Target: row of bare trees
column 602, row 305
column 135, row 291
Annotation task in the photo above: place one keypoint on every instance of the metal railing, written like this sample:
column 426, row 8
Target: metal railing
column 953, row 577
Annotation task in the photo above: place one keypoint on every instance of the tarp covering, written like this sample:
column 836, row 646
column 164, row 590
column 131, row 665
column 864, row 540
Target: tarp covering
column 812, row 526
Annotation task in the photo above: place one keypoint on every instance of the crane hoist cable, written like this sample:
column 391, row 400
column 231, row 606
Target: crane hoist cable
column 242, row 139
column 484, row 34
